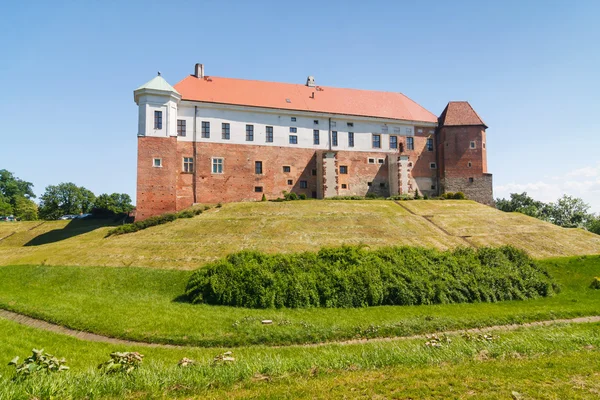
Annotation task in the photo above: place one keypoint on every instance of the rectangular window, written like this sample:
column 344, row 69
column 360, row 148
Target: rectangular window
column 293, row 119
column 258, row 189
column 344, row 186
column 316, row 122
column 293, row 129
column 316, row 136
column 471, row 180
column 313, row 195
column 432, row 187
column 290, row 182
column 350, row 124
column 380, row 161
column 303, row 184
column 429, row 144
column 371, row 161
column 313, row 172
column 188, row 164
column 393, row 142
column 334, row 140
column 343, row 169
column 181, row 127
column 157, row 119
column 225, row 131
column 287, row 168
column 410, row 143
column 350, row 139
column 377, row 141
column 205, row 129
column 258, row 167
column 249, row 133
column 382, row 184
column 157, row 162
column 472, row 145
column 269, row 134
column 217, row 165
column 432, row 165
column 293, row 139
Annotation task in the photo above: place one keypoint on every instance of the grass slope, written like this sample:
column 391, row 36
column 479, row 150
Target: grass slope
column 140, row 304
column 290, row 227
column 553, row 362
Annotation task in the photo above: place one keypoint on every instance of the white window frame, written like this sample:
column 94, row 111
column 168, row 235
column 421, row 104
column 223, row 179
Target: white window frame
column 183, row 162
column 160, row 164
column 213, row 163
column 381, row 161
column 371, row 160
column 472, row 145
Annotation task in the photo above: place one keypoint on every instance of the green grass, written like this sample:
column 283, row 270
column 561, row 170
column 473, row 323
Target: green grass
column 140, row 304
column 290, row 227
column 561, row 361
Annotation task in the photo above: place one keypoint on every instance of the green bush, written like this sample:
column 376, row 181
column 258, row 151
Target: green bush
column 595, row 283
column 38, row 361
column 353, row 197
column 302, row 196
column 352, row 276
column 125, row 362
column 153, row 221
column 453, row 196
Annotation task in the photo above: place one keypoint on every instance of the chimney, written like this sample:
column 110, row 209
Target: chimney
column 199, row 71
column 310, row 81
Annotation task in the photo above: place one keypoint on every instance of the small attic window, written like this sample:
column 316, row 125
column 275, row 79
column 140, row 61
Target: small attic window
column 288, row 101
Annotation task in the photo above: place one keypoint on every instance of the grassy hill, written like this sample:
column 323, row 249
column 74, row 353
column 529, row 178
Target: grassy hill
column 287, row 227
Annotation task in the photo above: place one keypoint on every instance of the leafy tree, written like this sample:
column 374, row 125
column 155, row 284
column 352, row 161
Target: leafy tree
column 15, row 196
column 65, row 198
column 116, row 203
column 594, row 225
column 5, row 207
column 25, row 209
column 570, row 212
column 524, row 204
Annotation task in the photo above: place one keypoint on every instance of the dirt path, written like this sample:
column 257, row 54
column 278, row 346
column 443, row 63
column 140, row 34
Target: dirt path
column 92, row 337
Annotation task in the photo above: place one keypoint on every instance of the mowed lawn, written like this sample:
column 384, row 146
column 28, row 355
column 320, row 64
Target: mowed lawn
column 142, row 304
column 288, row 227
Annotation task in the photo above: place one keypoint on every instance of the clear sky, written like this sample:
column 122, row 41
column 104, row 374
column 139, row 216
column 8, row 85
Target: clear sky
column 529, row 68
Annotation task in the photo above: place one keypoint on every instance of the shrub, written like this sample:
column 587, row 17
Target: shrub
column 459, row 196
column 372, row 196
column 352, row 276
column 353, row 197
column 417, row 195
column 156, row 220
column 595, row 283
column 264, row 198
column 125, row 362
column 302, row 196
column 38, row 361
column 186, row 214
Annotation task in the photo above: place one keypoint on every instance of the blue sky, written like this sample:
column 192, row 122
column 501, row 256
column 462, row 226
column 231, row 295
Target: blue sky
column 529, row 68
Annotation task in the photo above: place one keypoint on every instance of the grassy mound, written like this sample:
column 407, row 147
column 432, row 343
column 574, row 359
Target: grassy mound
column 351, row 276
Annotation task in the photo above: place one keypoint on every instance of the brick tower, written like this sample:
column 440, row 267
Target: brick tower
column 462, row 154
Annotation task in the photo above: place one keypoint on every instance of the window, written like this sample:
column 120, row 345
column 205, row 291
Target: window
column 188, row 165
column 471, row 180
column 303, row 184
column 313, row 195
column 419, row 130
column 343, row 169
column 290, row 182
column 393, row 142
column 258, row 189
column 316, row 136
column 287, row 168
column 293, row 139
column 293, row 119
column 181, row 127
column 313, row 172
column 217, row 165
column 377, row 141
column 350, row 139
column 369, row 184
column 258, row 167
column 344, row 186
column 225, row 131
column 380, row 161
column 401, row 148
column 432, row 187
column 157, row 119
column 316, row 121
column 249, row 133
column 429, row 144
column 333, row 124
column 269, row 134
column 350, row 124
column 371, row 161
column 334, row 141
column 157, row 162
column 205, row 129
column 432, row 165
column 469, row 164
column 382, row 184
column 410, row 143
column 293, row 129
column 472, row 145
column 483, row 144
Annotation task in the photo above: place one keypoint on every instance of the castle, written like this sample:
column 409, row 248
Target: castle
column 210, row 139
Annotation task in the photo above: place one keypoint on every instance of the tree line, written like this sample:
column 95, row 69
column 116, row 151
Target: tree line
column 568, row 211
column 16, row 199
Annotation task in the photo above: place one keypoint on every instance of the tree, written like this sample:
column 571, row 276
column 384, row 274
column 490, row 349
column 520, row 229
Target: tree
column 5, row 207
column 594, row 225
column 65, row 198
column 524, row 204
column 25, row 209
column 570, row 212
column 15, row 197
column 116, row 203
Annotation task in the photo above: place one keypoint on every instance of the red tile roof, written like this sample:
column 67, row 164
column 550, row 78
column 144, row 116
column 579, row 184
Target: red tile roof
column 460, row 113
column 298, row 97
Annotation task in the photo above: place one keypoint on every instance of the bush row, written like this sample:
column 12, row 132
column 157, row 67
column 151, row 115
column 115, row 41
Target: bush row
column 153, row 221
column 352, row 276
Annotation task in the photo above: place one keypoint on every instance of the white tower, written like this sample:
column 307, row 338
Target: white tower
column 157, row 102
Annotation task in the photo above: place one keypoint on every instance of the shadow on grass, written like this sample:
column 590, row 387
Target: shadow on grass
column 75, row 227
column 182, row 298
